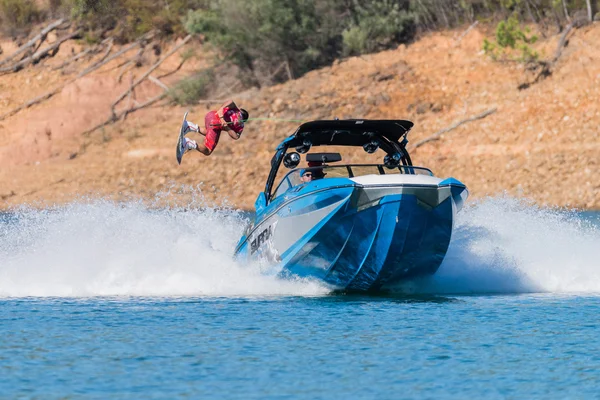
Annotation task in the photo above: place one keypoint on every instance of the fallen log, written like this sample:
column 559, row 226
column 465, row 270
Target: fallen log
column 33, row 101
column 76, row 57
column 41, row 42
column 123, row 114
column 158, row 82
column 183, row 60
column 466, row 32
column 115, row 116
column 124, row 69
column 58, row 89
column 546, row 66
column 81, row 54
column 48, row 51
column 150, row 70
column 130, row 98
column 437, row 135
column 40, row 36
column 135, row 59
column 111, row 42
column 145, row 104
column 124, row 50
column 561, row 44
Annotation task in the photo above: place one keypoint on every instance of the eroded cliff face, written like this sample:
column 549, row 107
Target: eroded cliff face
column 542, row 143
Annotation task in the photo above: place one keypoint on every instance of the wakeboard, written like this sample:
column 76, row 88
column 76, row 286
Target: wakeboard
column 180, row 141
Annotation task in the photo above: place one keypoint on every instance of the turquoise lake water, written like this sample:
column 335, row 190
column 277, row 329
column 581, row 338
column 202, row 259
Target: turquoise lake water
column 114, row 301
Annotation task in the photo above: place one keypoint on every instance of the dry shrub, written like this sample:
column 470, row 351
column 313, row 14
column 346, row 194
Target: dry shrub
column 18, row 16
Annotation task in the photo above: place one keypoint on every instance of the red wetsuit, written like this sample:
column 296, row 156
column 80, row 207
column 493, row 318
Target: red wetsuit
column 214, row 126
column 212, row 123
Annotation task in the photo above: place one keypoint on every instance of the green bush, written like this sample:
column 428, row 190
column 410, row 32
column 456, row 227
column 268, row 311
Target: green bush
column 17, row 16
column 261, row 35
column 132, row 18
column 355, row 40
column 378, row 25
column 188, row 91
column 96, row 14
column 509, row 36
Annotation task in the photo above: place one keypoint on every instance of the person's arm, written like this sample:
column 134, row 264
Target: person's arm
column 232, row 134
column 228, row 104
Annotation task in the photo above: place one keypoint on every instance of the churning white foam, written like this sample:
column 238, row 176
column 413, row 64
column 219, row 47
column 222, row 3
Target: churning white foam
column 505, row 245
column 108, row 249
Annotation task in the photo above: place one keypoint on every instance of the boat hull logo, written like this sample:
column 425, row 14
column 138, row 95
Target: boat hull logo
column 261, row 239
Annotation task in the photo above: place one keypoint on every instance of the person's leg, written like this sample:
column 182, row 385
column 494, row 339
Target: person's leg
column 203, row 149
column 212, row 133
column 210, row 142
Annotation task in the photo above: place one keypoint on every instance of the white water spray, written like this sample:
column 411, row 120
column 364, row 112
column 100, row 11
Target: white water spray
column 500, row 245
column 505, row 245
column 108, row 249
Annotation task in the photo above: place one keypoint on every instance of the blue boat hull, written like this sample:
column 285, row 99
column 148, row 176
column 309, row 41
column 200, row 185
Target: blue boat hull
column 356, row 246
column 377, row 246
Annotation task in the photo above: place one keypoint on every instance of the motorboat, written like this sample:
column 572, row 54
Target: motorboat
column 356, row 227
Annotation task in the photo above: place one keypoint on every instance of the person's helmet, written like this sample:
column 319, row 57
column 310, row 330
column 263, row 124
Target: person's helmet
column 244, row 114
column 235, row 123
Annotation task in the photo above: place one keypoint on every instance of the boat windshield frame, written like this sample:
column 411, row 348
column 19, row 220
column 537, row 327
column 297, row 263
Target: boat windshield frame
column 381, row 168
column 388, row 136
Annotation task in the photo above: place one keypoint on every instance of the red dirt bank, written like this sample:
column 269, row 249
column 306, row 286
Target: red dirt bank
column 542, row 143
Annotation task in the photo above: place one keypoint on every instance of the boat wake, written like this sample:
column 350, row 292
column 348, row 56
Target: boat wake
column 500, row 245
column 505, row 245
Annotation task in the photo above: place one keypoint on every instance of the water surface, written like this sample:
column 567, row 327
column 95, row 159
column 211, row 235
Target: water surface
column 108, row 300
column 518, row 346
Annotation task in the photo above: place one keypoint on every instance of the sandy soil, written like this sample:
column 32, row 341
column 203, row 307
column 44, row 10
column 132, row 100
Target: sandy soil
column 543, row 143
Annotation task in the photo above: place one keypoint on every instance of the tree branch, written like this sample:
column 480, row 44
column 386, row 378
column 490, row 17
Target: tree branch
column 124, row 114
column 89, row 50
column 151, row 69
column 59, row 88
column 108, row 49
column 437, row 135
column 546, row 66
column 473, row 25
column 33, row 101
column 40, row 36
column 183, row 60
column 564, row 4
column 157, row 81
column 561, row 43
column 117, row 54
column 37, row 57
column 590, row 10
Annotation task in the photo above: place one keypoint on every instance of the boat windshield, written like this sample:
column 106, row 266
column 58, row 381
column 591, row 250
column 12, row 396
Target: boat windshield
column 304, row 175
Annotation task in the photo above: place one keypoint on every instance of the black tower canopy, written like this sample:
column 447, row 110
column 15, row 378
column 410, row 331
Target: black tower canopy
column 349, row 132
column 388, row 135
